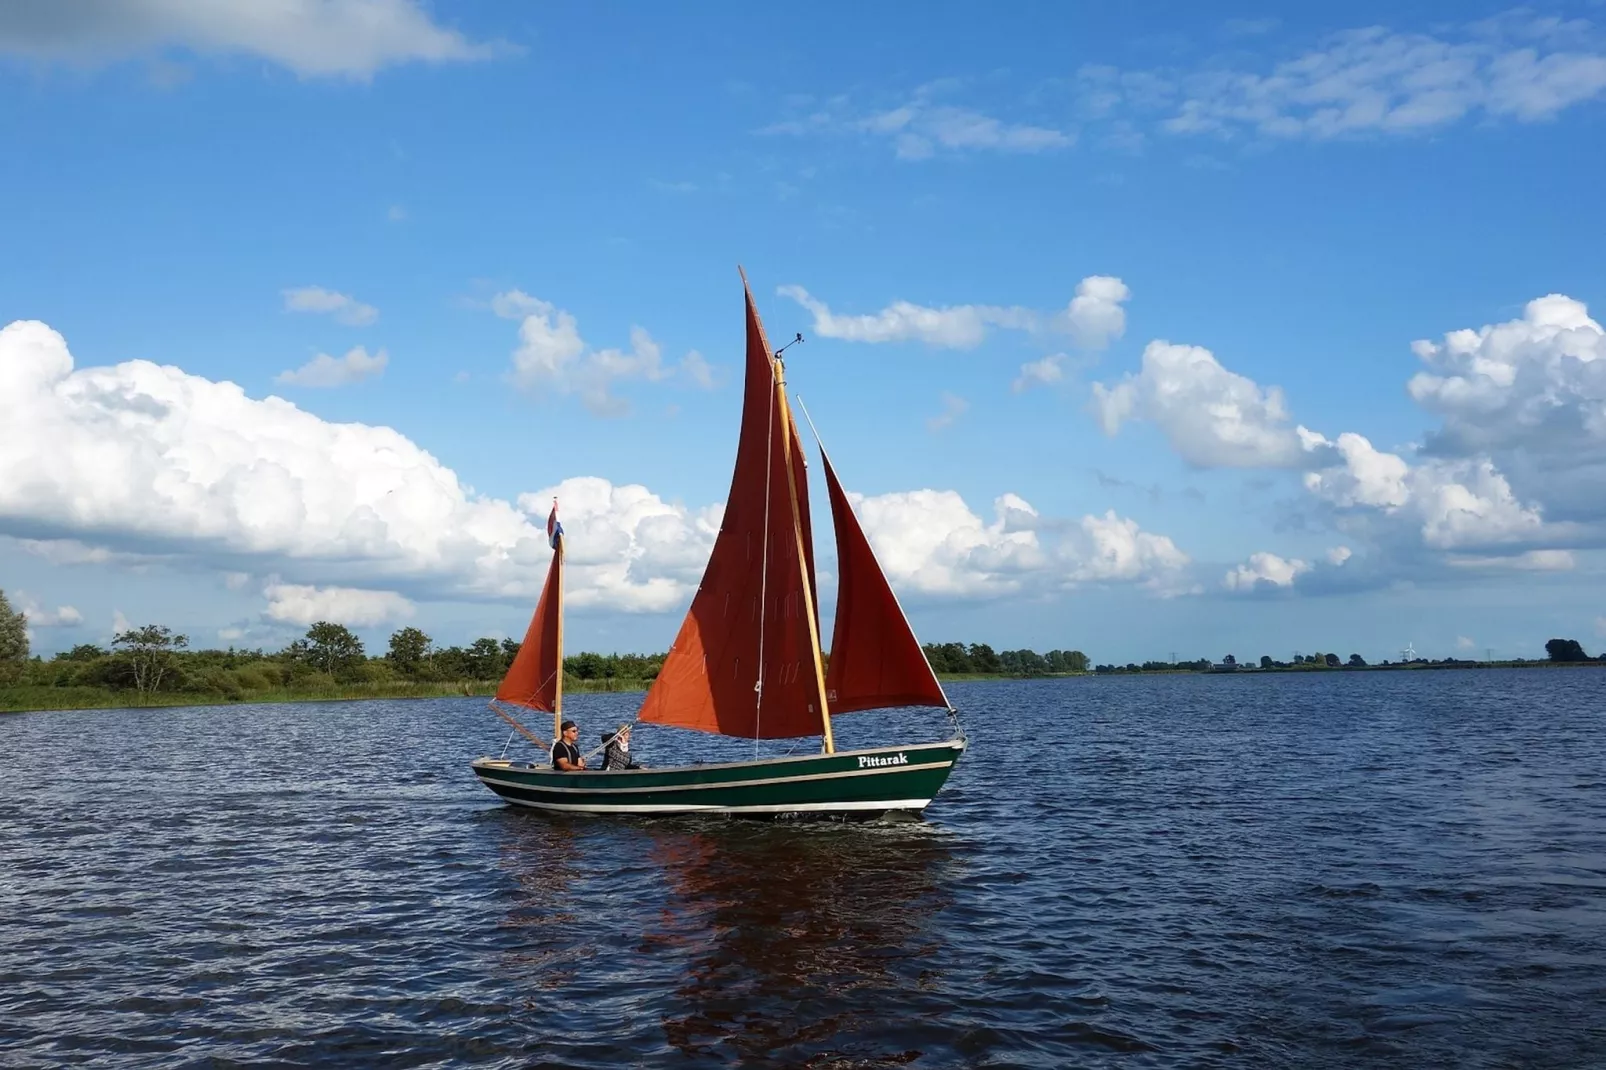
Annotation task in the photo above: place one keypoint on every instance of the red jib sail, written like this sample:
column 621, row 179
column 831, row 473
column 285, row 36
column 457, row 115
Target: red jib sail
column 753, row 591
column 876, row 661
column 532, row 680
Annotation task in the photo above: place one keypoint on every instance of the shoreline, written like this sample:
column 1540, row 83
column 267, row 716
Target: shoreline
column 45, row 699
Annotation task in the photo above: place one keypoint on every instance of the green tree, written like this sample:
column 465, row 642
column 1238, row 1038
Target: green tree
column 13, row 639
column 984, row 659
column 1357, row 662
column 484, row 659
column 584, row 666
column 149, row 651
column 1565, row 650
column 409, row 650
column 331, row 648
column 1265, row 661
column 1331, row 660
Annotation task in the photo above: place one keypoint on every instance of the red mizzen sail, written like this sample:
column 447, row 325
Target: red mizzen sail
column 876, row 661
column 754, row 586
column 534, row 679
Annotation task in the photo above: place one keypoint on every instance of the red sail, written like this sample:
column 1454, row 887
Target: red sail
column 750, row 590
column 876, row 661
column 532, row 679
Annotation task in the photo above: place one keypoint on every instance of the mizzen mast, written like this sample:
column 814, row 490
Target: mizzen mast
column 787, row 439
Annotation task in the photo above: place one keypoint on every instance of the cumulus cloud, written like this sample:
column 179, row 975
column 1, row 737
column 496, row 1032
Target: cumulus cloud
column 551, row 356
column 41, row 617
column 1264, row 570
column 1372, row 81
column 141, row 458
column 1455, row 504
column 1093, row 317
column 921, row 126
column 639, row 552
column 313, row 38
column 302, row 604
column 1530, row 394
column 326, row 371
column 1211, row 416
column 930, row 543
column 342, row 307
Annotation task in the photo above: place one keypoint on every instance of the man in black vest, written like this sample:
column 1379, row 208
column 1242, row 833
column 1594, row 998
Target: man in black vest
column 565, row 755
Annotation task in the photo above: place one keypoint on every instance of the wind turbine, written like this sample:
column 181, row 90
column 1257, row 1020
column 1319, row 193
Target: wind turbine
column 1408, row 655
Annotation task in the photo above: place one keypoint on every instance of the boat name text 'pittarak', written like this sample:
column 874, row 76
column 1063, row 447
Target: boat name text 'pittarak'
column 865, row 763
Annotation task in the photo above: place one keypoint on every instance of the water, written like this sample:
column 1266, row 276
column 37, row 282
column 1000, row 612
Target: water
column 1390, row 869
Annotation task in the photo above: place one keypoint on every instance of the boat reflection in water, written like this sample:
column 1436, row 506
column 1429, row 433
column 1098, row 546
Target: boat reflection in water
column 796, row 940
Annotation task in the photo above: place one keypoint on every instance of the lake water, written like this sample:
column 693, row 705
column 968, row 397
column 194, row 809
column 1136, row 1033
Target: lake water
column 1393, row 869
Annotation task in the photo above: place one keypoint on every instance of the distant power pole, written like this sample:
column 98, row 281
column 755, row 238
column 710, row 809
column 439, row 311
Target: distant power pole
column 1173, row 657
column 1488, row 655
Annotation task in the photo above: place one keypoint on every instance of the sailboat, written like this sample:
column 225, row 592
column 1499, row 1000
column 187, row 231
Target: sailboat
column 747, row 661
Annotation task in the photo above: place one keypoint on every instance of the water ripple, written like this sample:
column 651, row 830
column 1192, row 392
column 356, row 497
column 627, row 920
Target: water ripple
column 1358, row 869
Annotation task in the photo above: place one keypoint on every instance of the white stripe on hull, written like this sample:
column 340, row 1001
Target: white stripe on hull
column 956, row 745
column 793, row 808
column 487, row 778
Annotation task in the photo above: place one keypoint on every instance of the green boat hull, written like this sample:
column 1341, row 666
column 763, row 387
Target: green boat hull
column 850, row 784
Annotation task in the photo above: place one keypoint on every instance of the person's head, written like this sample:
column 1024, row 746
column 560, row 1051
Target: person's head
column 570, row 731
column 607, row 737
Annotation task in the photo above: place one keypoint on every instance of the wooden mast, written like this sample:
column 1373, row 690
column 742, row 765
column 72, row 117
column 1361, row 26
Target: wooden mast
column 557, row 701
column 802, row 558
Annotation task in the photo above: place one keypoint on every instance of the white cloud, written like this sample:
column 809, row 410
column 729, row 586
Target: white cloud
column 1211, row 416
column 1045, row 372
column 342, row 307
column 1339, row 554
column 1463, row 642
column 120, row 623
column 291, row 603
column 148, row 457
column 40, row 617
column 313, row 38
column 932, row 544
column 1264, row 570
column 1093, row 317
column 920, row 127
column 953, row 407
column 627, row 548
column 552, row 356
column 396, row 214
column 1373, row 81
column 1538, row 382
column 1455, row 504
column 326, row 371
column 1600, row 627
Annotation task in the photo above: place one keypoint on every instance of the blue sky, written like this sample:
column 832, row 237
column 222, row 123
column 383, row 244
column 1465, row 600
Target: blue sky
column 1110, row 314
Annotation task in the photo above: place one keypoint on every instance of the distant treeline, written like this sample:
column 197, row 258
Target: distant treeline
column 155, row 664
column 1557, row 651
column 957, row 659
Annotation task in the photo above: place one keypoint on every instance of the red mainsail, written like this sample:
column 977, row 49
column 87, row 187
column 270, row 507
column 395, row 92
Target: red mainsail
column 876, row 661
column 533, row 680
column 753, row 594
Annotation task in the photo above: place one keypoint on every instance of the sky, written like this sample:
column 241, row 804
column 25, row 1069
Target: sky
column 1169, row 329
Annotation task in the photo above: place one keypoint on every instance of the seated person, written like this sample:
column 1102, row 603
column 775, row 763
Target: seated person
column 565, row 755
column 617, row 756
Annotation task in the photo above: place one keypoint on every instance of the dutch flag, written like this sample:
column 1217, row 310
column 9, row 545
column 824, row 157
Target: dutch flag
column 554, row 530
